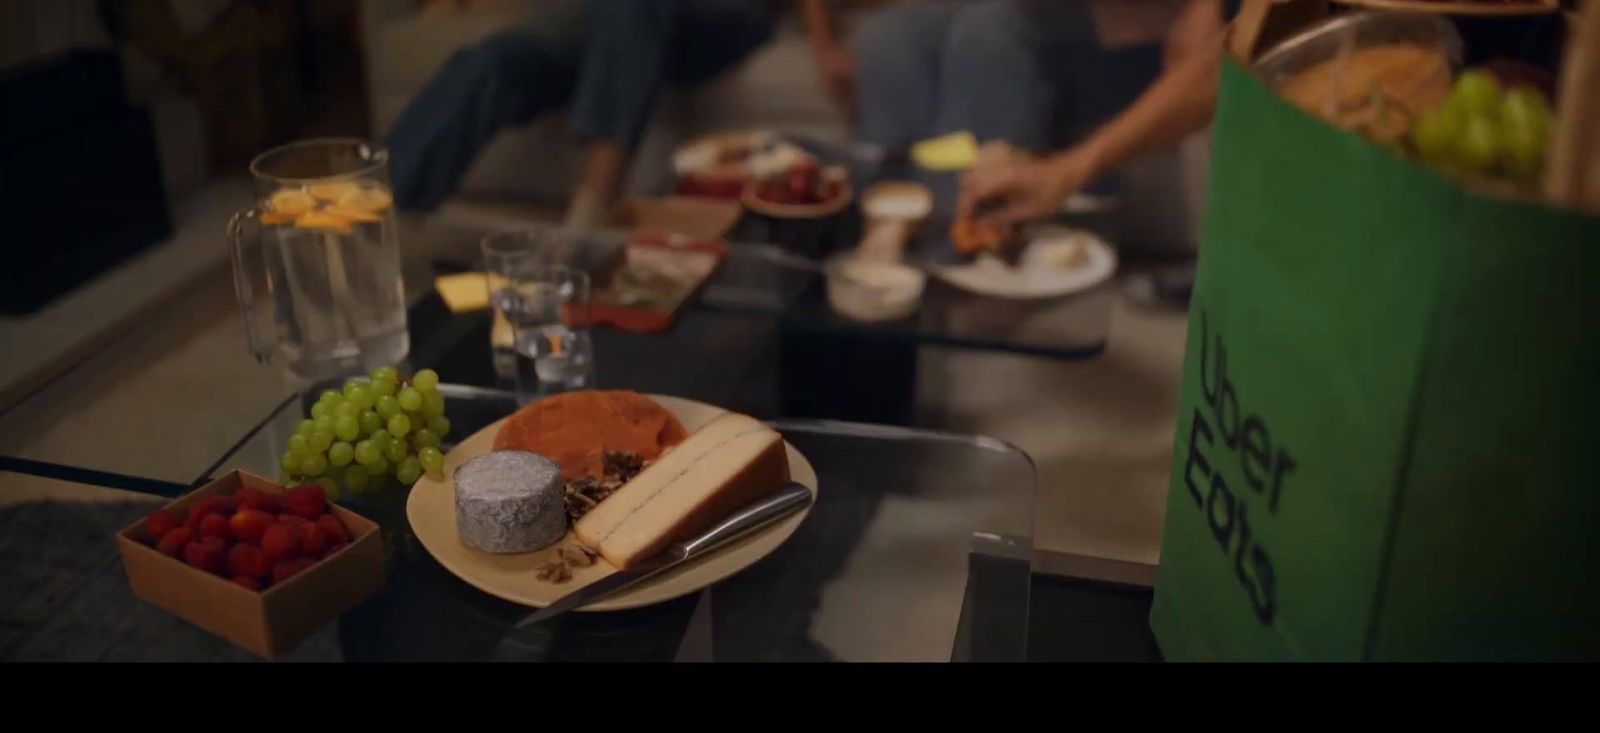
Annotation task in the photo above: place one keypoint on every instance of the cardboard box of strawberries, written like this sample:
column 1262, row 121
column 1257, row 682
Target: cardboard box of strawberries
column 254, row 562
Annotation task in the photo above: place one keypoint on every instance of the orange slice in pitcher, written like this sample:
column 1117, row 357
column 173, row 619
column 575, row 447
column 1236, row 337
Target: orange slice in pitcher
column 291, row 202
column 323, row 221
column 373, row 199
column 333, row 191
column 350, row 213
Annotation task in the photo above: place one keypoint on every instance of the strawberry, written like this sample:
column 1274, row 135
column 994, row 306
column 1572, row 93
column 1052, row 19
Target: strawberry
column 313, row 543
column 248, row 560
column 289, row 568
column 333, row 528
column 281, row 542
column 173, row 542
column 258, row 500
column 215, row 525
column 206, row 554
column 249, row 524
column 159, row 523
column 201, row 509
column 227, row 505
column 248, row 582
column 307, row 500
column 334, row 548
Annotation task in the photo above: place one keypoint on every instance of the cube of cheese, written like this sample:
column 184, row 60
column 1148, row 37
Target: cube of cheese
column 730, row 462
column 953, row 152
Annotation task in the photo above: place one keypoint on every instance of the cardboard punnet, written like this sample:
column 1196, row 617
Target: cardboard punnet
column 268, row 622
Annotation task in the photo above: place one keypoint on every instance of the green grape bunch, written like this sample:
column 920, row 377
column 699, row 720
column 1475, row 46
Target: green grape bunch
column 357, row 438
column 1486, row 130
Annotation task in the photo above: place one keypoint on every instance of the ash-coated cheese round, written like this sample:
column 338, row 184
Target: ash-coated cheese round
column 510, row 501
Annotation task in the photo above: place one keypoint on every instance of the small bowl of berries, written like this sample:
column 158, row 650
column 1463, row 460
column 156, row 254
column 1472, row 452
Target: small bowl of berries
column 804, row 190
column 257, row 563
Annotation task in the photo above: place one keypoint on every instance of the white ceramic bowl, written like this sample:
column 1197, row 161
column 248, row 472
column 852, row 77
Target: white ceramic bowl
column 870, row 291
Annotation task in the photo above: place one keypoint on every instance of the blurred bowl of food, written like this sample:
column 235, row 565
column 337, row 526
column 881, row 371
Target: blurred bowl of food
column 720, row 165
column 802, row 190
column 1373, row 73
column 872, row 291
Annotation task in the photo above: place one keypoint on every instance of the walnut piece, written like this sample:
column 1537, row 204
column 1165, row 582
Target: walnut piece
column 584, row 493
column 553, row 572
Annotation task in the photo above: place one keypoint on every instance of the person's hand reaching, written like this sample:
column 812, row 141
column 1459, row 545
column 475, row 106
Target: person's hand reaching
column 838, row 73
column 1009, row 191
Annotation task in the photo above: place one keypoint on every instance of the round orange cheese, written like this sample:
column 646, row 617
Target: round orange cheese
column 577, row 428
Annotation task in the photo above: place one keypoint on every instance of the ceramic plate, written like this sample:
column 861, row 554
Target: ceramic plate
column 431, row 511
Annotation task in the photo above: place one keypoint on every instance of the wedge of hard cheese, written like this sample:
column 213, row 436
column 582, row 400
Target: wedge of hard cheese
column 730, row 462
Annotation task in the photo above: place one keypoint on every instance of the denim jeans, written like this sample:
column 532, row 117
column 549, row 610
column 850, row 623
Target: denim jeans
column 605, row 59
column 1029, row 72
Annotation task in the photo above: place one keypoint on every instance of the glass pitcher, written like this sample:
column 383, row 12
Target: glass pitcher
column 316, row 263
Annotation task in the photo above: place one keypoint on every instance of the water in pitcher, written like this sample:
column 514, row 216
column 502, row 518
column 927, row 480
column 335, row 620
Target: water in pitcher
column 338, row 288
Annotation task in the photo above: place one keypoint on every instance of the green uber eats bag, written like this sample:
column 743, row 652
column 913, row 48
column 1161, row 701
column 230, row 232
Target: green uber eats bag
column 1386, row 443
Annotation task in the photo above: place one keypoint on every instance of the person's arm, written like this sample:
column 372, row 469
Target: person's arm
column 834, row 64
column 1194, row 27
column 1178, row 103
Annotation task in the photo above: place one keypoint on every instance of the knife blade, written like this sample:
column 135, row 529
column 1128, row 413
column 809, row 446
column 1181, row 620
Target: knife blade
column 782, row 503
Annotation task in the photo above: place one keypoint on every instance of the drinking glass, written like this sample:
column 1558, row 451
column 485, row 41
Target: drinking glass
column 540, row 338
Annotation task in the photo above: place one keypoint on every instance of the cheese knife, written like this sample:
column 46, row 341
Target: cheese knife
column 785, row 501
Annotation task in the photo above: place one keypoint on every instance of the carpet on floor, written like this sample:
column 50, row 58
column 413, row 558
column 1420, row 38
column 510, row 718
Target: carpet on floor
column 68, row 600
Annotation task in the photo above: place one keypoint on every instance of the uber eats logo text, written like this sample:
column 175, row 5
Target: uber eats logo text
column 1222, row 430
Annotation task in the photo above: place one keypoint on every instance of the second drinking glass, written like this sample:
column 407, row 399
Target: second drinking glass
column 540, row 336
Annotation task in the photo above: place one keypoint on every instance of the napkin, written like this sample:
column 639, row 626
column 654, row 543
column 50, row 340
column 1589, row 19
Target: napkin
column 463, row 292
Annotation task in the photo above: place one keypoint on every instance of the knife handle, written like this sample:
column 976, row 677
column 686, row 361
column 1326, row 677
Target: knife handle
column 755, row 516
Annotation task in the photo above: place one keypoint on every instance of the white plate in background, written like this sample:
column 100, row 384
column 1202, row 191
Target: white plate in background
column 1035, row 277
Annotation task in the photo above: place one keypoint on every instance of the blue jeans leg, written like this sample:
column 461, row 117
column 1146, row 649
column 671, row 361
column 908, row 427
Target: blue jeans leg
column 632, row 47
column 1033, row 73
column 897, row 51
column 507, row 79
column 607, row 57
column 989, row 82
